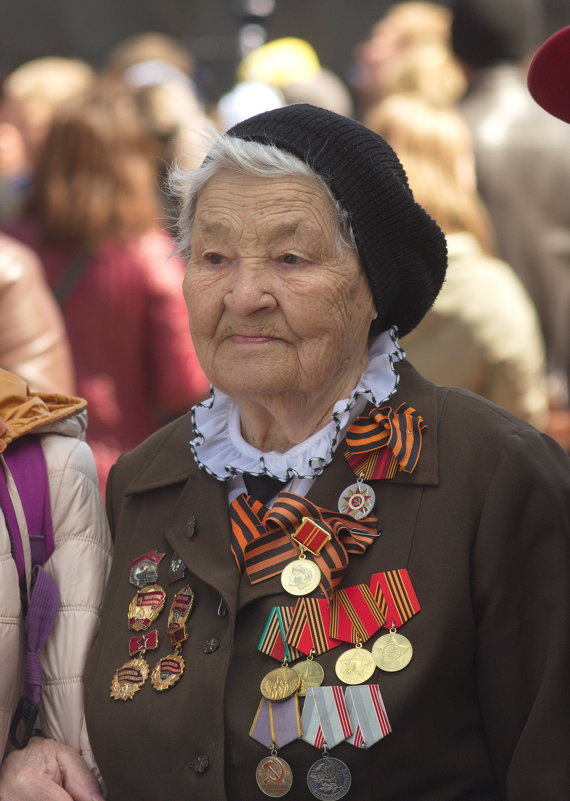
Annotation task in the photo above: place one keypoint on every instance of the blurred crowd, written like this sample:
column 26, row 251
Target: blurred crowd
column 90, row 299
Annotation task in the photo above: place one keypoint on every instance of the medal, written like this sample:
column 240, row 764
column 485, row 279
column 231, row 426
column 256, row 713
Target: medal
column 280, row 683
column 169, row 669
column 274, row 776
column 328, row 779
column 310, row 673
column 392, row 651
column 144, row 569
column 308, row 631
column 146, row 606
column 355, row 665
column 275, row 725
column 272, row 641
column 129, row 678
column 357, row 500
column 301, row 576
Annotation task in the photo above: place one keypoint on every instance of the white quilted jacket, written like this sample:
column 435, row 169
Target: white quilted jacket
column 79, row 564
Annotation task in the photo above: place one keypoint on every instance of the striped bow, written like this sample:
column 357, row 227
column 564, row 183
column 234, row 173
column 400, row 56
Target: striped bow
column 385, row 441
column 262, row 545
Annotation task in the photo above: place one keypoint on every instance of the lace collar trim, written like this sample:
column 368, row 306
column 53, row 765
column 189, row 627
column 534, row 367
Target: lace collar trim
column 219, row 448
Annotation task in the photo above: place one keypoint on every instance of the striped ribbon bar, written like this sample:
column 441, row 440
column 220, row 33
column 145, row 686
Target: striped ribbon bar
column 272, row 641
column 262, row 539
column 367, row 715
column 325, row 718
column 395, row 596
column 354, row 614
column 276, row 723
column 385, row 441
column 310, row 626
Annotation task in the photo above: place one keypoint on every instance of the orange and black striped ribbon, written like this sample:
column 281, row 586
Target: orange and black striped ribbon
column 262, row 545
column 355, row 615
column 309, row 628
column 385, row 441
column 272, row 641
column 395, row 596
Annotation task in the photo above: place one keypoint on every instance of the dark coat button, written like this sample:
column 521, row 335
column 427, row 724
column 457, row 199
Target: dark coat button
column 211, row 645
column 201, row 763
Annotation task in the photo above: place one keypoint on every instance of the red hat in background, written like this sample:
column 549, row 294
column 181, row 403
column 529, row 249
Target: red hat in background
column 549, row 75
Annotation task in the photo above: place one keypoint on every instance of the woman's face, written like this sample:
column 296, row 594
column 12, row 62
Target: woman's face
column 274, row 306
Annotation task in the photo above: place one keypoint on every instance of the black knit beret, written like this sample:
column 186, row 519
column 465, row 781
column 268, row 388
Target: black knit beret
column 401, row 248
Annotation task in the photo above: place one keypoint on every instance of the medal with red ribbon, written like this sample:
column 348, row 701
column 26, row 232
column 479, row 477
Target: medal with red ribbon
column 398, row 601
column 385, row 441
column 355, row 617
column 265, row 540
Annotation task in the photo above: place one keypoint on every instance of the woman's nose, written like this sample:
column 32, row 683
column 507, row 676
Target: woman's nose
column 250, row 291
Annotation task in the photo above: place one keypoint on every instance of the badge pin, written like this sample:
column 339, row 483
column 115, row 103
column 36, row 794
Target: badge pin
column 176, row 568
column 144, row 569
column 167, row 671
column 129, row 678
column 357, row 500
column 145, row 607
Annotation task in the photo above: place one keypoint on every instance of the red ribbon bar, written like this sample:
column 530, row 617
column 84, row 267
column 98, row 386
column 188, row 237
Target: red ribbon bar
column 394, row 592
column 311, row 536
column 354, row 614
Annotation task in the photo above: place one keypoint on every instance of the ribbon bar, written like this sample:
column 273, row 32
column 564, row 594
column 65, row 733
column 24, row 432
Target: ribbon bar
column 325, row 718
column 311, row 536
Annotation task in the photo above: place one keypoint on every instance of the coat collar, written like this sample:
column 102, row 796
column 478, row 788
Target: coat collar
column 172, row 461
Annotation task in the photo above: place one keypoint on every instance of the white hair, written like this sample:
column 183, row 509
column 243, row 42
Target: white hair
column 246, row 158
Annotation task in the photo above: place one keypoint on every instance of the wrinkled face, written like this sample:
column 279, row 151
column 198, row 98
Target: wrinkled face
column 274, row 306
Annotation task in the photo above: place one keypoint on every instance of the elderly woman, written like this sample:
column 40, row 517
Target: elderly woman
column 334, row 578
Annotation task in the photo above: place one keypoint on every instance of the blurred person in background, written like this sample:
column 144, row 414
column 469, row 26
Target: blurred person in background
column 292, row 66
column 482, row 333
column 522, row 158
column 93, row 218
column 29, row 97
column 158, row 69
column 33, row 339
column 403, row 25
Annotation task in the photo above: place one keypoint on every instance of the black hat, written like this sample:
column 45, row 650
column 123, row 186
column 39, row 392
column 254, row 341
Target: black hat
column 401, row 248
column 485, row 33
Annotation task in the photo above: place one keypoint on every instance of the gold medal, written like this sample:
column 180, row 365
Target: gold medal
column 129, row 678
column 167, row 671
column 355, row 666
column 392, row 651
column 301, row 576
column 274, row 776
column 311, row 674
column 280, row 683
column 146, row 606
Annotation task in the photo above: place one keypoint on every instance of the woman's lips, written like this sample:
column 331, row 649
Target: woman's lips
column 249, row 339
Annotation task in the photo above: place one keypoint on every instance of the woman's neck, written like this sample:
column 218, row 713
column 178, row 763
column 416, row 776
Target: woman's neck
column 279, row 422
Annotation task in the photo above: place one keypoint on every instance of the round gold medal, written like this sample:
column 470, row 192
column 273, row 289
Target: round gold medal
column 129, row 678
column 392, row 651
column 280, row 683
column 355, row 666
column 274, row 776
column 301, row 576
column 311, row 673
column 167, row 671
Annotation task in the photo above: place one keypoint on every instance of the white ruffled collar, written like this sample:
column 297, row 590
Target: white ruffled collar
column 219, row 448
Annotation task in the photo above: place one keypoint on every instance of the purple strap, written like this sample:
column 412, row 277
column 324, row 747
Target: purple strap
column 26, row 461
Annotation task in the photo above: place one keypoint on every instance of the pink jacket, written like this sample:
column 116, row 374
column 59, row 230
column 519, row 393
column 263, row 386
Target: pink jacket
column 127, row 324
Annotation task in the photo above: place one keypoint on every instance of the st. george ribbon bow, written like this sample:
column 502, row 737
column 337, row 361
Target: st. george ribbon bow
column 262, row 542
column 380, row 443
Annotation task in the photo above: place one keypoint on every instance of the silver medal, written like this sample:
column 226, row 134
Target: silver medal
column 329, row 779
column 357, row 500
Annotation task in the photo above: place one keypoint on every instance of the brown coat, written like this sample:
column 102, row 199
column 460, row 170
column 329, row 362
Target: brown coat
column 480, row 713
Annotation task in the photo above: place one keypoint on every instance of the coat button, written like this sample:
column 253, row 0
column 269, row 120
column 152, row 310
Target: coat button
column 211, row 645
column 201, row 763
